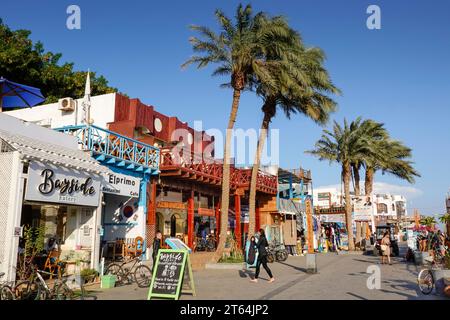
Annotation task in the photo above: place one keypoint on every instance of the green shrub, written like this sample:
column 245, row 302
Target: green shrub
column 88, row 272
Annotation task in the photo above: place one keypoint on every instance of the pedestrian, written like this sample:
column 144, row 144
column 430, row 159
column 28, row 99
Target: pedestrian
column 251, row 255
column 261, row 245
column 156, row 246
column 386, row 247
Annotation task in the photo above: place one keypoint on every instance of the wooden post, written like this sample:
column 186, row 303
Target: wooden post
column 309, row 222
column 237, row 210
column 358, row 234
column 190, row 215
column 217, row 213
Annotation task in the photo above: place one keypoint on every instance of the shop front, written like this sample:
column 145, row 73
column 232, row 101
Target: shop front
column 123, row 212
column 49, row 187
column 66, row 201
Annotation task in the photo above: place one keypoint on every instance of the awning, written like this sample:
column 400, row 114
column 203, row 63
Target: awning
column 41, row 151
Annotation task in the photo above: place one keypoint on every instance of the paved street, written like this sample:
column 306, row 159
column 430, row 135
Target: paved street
column 338, row 277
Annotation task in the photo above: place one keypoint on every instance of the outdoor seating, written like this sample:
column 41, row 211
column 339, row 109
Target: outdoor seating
column 52, row 263
column 135, row 247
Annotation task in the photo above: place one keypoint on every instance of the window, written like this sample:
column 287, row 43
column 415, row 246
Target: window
column 382, row 208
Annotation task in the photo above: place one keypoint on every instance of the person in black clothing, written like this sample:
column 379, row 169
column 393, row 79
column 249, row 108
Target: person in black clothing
column 262, row 257
column 156, row 246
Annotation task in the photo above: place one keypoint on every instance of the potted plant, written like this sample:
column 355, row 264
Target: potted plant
column 89, row 275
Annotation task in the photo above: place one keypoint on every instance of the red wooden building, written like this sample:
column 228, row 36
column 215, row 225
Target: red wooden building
column 185, row 198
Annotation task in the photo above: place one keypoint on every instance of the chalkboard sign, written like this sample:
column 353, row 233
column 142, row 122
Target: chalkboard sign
column 168, row 274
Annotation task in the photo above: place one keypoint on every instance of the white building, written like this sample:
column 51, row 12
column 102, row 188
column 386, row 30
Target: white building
column 391, row 206
column 55, row 115
column 46, row 181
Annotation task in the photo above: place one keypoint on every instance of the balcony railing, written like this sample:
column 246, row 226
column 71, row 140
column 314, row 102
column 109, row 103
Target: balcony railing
column 211, row 171
column 114, row 149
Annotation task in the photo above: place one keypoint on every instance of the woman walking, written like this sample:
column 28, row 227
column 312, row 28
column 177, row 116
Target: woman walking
column 386, row 247
column 262, row 257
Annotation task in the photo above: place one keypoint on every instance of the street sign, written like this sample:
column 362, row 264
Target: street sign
column 168, row 274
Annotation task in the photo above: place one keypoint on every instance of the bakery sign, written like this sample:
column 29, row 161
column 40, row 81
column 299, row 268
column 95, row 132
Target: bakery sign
column 48, row 183
column 121, row 185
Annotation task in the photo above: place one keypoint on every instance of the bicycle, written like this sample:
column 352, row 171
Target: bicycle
column 6, row 291
column 425, row 278
column 276, row 252
column 141, row 274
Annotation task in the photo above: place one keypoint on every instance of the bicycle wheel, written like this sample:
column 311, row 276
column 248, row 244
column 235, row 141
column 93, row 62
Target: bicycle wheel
column 425, row 281
column 282, row 255
column 116, row 270
column 26, row 290
column 63, row 292
column 143, row 276
column 6, row 293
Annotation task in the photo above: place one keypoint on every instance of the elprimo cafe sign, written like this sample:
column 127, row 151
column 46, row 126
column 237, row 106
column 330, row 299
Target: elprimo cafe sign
column 48, row 183
column 121, row 185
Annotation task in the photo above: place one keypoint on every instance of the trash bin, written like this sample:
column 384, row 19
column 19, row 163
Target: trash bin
column 108, row 282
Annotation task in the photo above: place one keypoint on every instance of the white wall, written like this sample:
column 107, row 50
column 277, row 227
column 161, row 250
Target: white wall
column 11, row 190
column 112, row 223
column 102, row 112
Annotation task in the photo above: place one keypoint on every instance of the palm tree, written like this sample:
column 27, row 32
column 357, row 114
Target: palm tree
column 344, row 145
column 241, row 50
column 300, row 84
column 373, row 133
column 392, row 157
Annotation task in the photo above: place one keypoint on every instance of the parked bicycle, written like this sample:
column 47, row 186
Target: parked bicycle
column 206, row 245
column 425, row 278
column 138, row 272
column 276, row 252
column 6, row 291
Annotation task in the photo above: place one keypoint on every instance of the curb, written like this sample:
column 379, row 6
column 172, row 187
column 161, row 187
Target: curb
column 225, row 266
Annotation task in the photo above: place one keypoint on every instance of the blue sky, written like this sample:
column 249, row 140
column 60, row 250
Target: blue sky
column 398, row 75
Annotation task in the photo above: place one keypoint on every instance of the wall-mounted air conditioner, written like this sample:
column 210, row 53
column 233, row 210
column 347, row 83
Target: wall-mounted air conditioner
column 66, row 104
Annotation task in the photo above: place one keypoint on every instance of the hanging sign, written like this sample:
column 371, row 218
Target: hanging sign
column 121, row 185
column 206, row 212
column 48, row 183
column 168, row 274
column 362, row 208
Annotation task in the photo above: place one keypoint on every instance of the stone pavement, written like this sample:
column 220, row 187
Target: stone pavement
column 338, row 277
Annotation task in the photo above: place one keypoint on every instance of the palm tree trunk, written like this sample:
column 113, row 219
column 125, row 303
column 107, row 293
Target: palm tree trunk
column 368, row 184
column 255, row 169
column 226, row 176
column 356, row 186
column 346, row 170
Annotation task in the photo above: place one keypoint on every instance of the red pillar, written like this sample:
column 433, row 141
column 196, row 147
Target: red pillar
column 217, row 213
column 257, row 218
column 190, row 216
column 237, row 210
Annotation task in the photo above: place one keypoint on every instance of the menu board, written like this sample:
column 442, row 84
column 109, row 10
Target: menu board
column 168, row 274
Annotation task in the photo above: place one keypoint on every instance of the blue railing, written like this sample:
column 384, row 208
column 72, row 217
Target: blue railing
column 115, row 149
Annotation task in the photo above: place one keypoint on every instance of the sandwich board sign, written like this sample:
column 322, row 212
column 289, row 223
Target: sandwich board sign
column 169, row 274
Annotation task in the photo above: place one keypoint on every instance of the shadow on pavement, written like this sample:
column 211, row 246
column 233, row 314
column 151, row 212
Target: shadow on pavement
column 293, row 267
column 356, row 296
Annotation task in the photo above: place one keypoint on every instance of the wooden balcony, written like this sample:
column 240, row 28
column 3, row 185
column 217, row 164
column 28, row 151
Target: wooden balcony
column 209, row 171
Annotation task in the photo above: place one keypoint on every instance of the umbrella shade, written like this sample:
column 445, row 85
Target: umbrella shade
column 18, row 95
